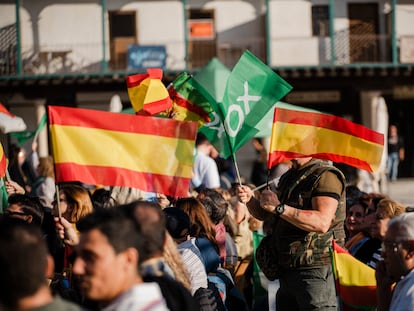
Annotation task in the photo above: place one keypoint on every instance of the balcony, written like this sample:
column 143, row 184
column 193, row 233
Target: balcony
column 311, row 52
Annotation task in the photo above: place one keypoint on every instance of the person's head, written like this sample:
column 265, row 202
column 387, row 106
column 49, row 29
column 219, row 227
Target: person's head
column 393, row 130
column 386, row 210
column 17, row 155
column 75, row 202
column 201, row 224
column 214, row 203
column 178, row 223
column 299, row 162
column 24, row 262
column 354, row 218
column 150, row 223
column 25, row 207
column 45, row 167
column 107, row 261
column 398, row 246
column 204, row 145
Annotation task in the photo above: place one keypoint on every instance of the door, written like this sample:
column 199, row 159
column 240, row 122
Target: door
column 363, row 32
column 201, row 37
column 122, row 33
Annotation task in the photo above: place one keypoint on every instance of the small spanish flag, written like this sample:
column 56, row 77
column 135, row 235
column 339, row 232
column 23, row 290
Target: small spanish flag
column 188, row 103
column 298, row 134
column 147, row 93
column 113, row 149
column 355, row 281
column 3, row 162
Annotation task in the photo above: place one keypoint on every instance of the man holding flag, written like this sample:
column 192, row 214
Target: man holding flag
column 311, row 215
column 308, row 208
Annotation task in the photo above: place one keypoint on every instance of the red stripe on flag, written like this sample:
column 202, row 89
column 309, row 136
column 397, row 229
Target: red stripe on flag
column 155, row 107
column 358, row 296
column 119, row 122
column 281, row 156
column 329, row 122
column 111, row 176
column 3, row 163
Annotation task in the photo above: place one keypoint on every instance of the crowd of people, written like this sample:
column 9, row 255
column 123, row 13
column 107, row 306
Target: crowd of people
column 84, row 247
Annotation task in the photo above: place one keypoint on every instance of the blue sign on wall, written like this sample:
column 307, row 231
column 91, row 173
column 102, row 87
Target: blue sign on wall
column 146, row 56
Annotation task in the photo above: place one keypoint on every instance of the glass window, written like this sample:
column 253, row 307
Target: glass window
column 320, row 21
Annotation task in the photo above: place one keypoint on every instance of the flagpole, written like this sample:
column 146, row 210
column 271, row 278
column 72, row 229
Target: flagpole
column 236, row 167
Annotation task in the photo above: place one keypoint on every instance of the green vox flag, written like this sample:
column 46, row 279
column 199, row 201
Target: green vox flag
column 22, row 137
column 212, row 80
column 252, row 90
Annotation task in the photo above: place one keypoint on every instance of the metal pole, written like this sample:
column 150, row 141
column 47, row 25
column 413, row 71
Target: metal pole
column 185, row 34
column 394, row 33
column 268, row 35
column 18, row 43
column 103, row 13
column 332, row 30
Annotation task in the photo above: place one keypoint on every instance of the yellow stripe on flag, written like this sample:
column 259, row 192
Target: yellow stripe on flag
column 309, row 140
column 149, row 150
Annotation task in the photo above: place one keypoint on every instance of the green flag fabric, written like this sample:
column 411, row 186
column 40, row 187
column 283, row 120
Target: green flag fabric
column 22, row 137
column 252, row 90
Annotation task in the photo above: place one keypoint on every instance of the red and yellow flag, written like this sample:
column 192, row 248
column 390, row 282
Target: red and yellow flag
column 297, row 134
column 355, row 281
column 147, row 93
column 114, row 149
column 3, row 162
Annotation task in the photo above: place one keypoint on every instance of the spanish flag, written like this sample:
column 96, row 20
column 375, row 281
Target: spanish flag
column 188, row 103
column 3, row 162
column 147, row 93
column 298, row 134
column 355, row 281
column 114, row 149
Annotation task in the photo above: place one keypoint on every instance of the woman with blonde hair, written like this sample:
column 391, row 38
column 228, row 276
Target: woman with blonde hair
column 386, row 210
column 74, row 203
column 44, row 185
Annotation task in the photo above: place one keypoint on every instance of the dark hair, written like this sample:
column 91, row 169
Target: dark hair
column 150, row 225
column 200, row 139
column 29, row 205
column 214, row 203
column 177, row 221
column 119, row 229
column 23, row 254
column 101, row 197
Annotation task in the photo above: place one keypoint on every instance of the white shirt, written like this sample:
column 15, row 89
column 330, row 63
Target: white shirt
column 193, row 263
column 205, row 171
column 403, row 295
column 141, row 297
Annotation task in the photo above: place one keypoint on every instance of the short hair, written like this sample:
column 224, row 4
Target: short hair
column 214, row 203
column 390, row 208
column 201, row 139
column 177, row 221
column 119, row 229
column 405, row 225
column 23, row 257
column 29, row 205
column 150, row 225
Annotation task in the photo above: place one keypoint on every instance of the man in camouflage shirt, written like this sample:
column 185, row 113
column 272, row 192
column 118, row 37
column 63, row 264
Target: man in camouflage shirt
column 307, row 212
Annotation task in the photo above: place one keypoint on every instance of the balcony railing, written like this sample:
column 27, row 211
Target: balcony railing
column 88, row 58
